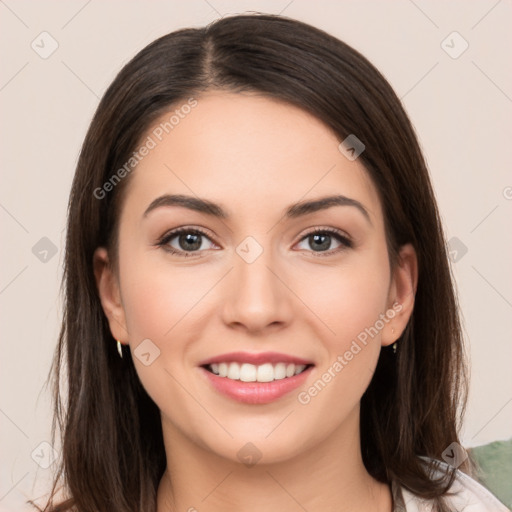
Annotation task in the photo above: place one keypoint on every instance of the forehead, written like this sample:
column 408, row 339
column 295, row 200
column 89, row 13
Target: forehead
column 248, row 152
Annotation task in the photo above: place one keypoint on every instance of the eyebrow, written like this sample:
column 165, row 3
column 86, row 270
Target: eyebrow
column 293, row 211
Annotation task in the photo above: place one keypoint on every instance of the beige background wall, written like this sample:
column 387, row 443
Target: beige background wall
column 460, row 104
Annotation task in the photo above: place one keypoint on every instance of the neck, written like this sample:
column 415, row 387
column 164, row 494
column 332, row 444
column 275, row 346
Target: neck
column 330, row 477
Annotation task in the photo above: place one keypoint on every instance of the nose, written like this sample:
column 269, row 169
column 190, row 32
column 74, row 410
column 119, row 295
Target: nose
column 257, row 296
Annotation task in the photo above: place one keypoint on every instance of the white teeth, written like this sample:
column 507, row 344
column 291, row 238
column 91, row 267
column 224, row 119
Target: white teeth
column 280, row 371
column 247, row 373
column 299, row 368
column 234, row 371
column 223, row 369
column 266, row 372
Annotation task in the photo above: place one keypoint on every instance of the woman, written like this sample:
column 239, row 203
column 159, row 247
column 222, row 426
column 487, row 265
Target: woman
column 259, row 308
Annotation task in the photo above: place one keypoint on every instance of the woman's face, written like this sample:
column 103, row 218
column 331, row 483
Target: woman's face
column 255, row 280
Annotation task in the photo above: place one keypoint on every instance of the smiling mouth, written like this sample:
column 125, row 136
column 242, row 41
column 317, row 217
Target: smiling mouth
column 246, row 372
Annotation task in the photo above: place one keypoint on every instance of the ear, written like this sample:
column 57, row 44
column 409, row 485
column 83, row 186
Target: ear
column 402, row 291
column 110, row 296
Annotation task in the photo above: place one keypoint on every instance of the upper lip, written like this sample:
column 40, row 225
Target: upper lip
column 255, row 358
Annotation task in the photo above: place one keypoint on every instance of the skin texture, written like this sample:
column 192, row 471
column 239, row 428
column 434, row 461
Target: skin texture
column 255, row 156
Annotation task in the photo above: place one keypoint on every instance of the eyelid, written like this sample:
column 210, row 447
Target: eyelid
column 329, row 230
column 187, row 228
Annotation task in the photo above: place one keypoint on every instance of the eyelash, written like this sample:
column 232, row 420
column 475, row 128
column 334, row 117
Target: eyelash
column 338, row 235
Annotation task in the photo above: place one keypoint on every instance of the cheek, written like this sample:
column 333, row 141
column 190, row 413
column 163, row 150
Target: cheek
column 158, row 298
column 347, row 299
column 159, row 303
column 351, row 303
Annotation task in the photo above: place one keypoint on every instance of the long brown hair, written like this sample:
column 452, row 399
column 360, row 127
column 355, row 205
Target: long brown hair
column 112, row 447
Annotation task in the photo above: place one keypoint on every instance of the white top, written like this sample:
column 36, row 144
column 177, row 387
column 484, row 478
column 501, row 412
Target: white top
column 470, row 496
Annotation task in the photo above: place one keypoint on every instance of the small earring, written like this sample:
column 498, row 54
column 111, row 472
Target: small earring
column 120, row 349
column 394, row 348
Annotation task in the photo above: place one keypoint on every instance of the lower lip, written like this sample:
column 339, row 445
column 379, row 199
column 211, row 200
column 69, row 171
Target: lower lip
column 256, row 392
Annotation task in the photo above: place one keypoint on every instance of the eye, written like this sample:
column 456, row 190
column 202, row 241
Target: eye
column 320, row 239
column 186, row 241
column 183, row 241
